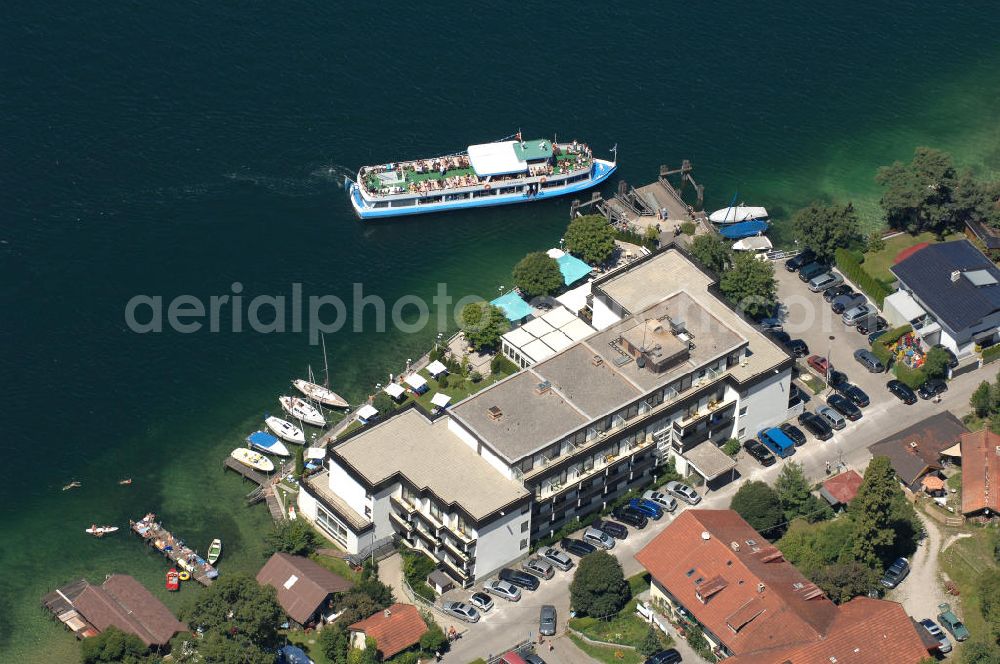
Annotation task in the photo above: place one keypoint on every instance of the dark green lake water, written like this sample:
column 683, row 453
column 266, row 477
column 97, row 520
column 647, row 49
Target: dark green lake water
column 176, row 148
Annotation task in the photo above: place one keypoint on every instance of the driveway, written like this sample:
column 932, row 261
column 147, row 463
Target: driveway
column 921, row 591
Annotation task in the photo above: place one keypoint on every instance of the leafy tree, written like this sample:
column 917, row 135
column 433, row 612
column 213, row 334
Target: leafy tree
column 300, row 464
column 433, row 640
column 483, row 324
column 501, row 366
column 936, row 363
column 696, row 639
column 750, row 285
column 236, row 606
column 989, row 602
column 217, row 648
column 591, row 238
column 871, row 513
column 826, row 228
column 980, row 652
column 356, row 606
column 538, row 274
column 367, row 656
column 650, row 643
column 760, row 506
column 294, row 537
column 599, row 588
column 335, row 641
column 876, row 242
column 844, row 581
column 712, row 251
column 731, row 447
column 113, row 646
column 797, row 499
column 812, row 547
column 383, row 403
column 982, row 400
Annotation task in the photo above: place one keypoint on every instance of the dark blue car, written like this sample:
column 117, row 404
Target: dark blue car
column 646, row 508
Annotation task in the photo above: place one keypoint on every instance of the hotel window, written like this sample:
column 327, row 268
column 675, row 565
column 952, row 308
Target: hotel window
column 331, row 525
column 685, row 383
column 524, row 527
column 526, row 465
column 743, row 411
column 588, row 463
column 524, row 544
column 436, row 512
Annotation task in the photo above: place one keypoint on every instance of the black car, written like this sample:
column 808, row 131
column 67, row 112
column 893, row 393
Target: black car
column 854, row 393
column 895, row 573
column 668, row 656
column 812, row 270
column 901, row 392
column 799, row 260
column 952, row 359
column 847, row 302
column 520, row 578
column 932, row 388
column 797, row 348
column 780, row 336
column 843, row 289
column 794, row 433
column 757, row 450
column 836, row 378
column 577, row 547
column 816, row 425
column 616, row 530
column 844, row 406
column 631, row 517
column 871, row 324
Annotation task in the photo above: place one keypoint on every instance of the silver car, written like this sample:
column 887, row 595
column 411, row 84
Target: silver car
column 824, row 281
column 558, row 558
column 547, row 620
column 538, row 567
column 598, row 538
column 661, row 499
column 482, row 602
column 832, row 417
column 504, row 589
column 944, row 645
column 684, row 492
column 461, row 610
column 852, row 316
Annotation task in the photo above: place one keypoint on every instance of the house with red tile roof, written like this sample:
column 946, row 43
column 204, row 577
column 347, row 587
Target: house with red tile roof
column 840, row 489
column 710, row 568
column 981, row 474
column 395, row 629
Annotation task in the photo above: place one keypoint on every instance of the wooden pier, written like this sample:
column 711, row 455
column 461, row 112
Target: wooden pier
column 158, row 537
column 246, row 471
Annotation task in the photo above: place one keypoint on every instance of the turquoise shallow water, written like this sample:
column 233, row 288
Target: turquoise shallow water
column 177, row 149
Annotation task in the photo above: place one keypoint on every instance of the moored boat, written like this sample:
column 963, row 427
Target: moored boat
column 254, row 460
column 324, row 395
column 285, row 430
column 302, row 410
column 101, row 531
column 214, row 551
column 499, row 173
column 267, row 443
column 173, row 580
column 737, row 213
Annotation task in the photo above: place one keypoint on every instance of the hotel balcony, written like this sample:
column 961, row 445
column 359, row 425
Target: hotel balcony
column 457, row 551
column 407, row 507
column 430, row 538
column 429, row 520
column 696, row 418
column 462, row 535
column 601, row 466
column 400, row 521
column 457, row 569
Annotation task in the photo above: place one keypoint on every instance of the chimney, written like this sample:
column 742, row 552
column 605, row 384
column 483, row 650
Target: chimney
column 735, row 546
column 387, row 613
column 997, row 450
column 955, row 274
column 494, row 413
column 543, row 387
column 705, row 535
column 760, row 587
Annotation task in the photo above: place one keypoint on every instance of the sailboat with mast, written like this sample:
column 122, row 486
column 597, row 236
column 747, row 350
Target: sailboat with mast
column 321, row 393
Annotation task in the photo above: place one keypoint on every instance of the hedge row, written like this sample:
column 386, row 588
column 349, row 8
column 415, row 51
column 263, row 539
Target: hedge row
column 990, row 354
column 848, row 264
column 912, row 378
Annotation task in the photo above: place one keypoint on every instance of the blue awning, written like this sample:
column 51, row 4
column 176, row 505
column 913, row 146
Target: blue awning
column 513, row 305
column 573, row 269
column 743, row 229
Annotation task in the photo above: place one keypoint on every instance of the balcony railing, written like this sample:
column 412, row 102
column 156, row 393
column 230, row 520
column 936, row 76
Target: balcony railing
column 600, row 466
column 454, row 567
column 406, row 525
column 455, row 549
column 402, row 504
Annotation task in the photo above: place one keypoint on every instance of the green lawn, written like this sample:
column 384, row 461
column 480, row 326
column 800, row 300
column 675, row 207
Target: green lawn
column 877, row 264
column 608, row 655
column 301, row 639
column 337, row 566
column 458, row 388
column 964, row 562
column 627, row 628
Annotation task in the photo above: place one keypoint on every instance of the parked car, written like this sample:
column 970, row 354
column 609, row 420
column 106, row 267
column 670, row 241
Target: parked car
column 844, row 406
column 873, row 337
column 558, row 559
column 758, row 451
column 944, row 645
column 504, row 589
column 780, row 336
column 797, row 348
column 816, row 425
column 532, row 658
column 952, row 359
column 794, row 433
column 540, row 567
column 847, row 302
column 598, row 538
column 461, row 610
column 860, row 312
column 519, row 578
column 770, row 324
column 819, row 364
column 577, row 547
column 872, row 324
column 616, row 530
column 668, row 656
column 663, row 500
column 832, row 417
column 481, row 601
column 824, row 281
column 800, row 260
column 901, row 392
column 646, row 507
column 683, row 492
column 547, row 620
column 837, row 291
column 775, row 440
column 932, row 388
column 950, row 622
column 631, row 517
column 835, row 378
column 868, row 360
column 895, row 573
column 811, row 270
column 512, row 657
column 854, row 393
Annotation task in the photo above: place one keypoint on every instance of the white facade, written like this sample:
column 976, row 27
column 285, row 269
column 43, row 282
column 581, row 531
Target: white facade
column 764, row 405
column 328, row 523
column 502, row 541
column 352, row 493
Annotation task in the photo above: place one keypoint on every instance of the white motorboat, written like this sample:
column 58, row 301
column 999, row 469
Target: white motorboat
column 756, row 244
column 252, row 459
column 267, row 443
column 736, row 213
column 324, row 395
column 100, row 531
column 302, row 410
column 285, row 430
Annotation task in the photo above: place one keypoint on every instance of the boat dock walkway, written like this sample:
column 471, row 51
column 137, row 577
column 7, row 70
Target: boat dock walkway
column 158, row 537
column 246, row 471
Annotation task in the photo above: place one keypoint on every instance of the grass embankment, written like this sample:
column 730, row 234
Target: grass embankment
column 309, row 643
column 626, row 628
column 877, row 263
column 606, row 654
column 338, row 566
column 965, row 562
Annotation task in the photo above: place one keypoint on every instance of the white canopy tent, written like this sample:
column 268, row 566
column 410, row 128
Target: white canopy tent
column 367, row 412
column 315, row 453
column 416, row 381
column 495, row 159
column 436, row 368
column 440, row 399
column 394, row 390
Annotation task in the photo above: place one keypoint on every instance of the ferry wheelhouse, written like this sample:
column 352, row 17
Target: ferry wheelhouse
column 500, row 173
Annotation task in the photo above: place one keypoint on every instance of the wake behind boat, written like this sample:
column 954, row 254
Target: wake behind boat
column 267, row 443
column 737, row 213
column 500, row 173
column 301, row 410
column 254, row 460
column 285, row 430
column 325, row 396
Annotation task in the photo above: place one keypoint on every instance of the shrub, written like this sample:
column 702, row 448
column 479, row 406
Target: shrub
column 688, row 228
column 848, row 263
column 500, row 365
column 416, row 567
column 443, row 381
column 294, row 537
column 876, row 242
column 571, row 527
column 475, row 377
column 732, row 447
column 912, row 378
column 990, row 354
column 433, row 639
column 634, row 238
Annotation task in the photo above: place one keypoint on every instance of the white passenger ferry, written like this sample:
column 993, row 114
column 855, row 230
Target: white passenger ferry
column 500, row 173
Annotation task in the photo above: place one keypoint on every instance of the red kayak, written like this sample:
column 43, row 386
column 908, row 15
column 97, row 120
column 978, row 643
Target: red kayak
column 173, row 580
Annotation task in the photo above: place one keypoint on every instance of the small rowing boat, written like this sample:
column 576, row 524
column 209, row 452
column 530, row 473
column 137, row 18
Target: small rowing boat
column 267, row 443
column 214, row 551
column 72, row 485
column 173, row 580
column 101, row 531
column 125, row 482
column 324, row 395
column 301, row 410
column 285, row 430
column 252, row 459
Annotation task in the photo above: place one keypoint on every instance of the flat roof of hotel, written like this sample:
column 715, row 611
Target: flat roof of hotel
column 430, row 457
